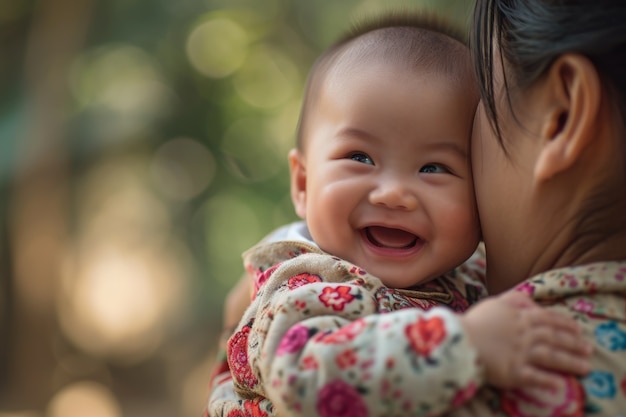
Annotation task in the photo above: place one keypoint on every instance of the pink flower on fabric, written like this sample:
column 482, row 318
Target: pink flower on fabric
column 294, row 340
column 339, row 399
column 336, row 297
column 302, row 279
column 342, row 335
column 425, row 335
column 526, row 287
column 238, row 358
column 583, row 306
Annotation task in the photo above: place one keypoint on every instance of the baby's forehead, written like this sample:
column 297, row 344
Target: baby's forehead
column 358, row 73
column 423, row 54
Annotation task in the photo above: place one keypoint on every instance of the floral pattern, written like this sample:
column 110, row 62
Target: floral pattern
column 566, row 401
column 600, row 384
column 343, row 335
column 238, row 357
column 340, row 340
column 338, row 399
column 357, row 360
column 302, row 279
column 293, row 340
column 595, row 295
column 610, row 336
column 364, row 347
column 336, row 297
column 425, row 335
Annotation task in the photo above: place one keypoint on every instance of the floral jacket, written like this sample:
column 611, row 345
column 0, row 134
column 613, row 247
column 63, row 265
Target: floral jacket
column 325, row 338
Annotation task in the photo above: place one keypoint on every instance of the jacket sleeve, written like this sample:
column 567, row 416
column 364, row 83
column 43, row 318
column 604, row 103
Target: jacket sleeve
column 314, row 344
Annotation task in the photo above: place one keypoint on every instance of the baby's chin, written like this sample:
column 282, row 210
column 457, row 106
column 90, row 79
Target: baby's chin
column 397, row 277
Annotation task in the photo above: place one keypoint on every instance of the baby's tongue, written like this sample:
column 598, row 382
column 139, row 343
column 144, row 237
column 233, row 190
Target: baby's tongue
column 390, row 238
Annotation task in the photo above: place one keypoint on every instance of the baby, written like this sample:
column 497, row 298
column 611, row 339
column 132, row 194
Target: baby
column 381, row 177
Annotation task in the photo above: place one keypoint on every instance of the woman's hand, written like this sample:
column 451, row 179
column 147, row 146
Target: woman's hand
column 524, row 345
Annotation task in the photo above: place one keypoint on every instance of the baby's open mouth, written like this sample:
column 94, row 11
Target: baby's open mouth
column 385, row 237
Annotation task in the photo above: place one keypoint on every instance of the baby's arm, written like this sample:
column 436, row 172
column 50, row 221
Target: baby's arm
column 315, row 340
column 523, row 345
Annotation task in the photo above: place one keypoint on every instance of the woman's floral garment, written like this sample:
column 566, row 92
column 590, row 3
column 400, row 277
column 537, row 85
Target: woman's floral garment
column 595, row 295
column 324, row 338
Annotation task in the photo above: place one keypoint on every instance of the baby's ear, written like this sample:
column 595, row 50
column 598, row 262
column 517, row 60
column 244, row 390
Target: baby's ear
column 297, row 170
column 572, row 95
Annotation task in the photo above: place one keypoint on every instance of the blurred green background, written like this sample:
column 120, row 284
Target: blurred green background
column 143, row 147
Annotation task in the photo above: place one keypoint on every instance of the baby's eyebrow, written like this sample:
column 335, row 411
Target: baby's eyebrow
column 351, row 131
column 448, row 146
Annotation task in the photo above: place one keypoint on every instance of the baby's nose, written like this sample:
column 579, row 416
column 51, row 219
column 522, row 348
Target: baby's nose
column 397, row 195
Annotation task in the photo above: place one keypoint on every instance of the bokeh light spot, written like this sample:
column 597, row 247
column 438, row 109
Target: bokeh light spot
column 96, row 79
column 267, row 79
column 125, row 281
column 217, row 47
column 84, row 399
column 120, row 91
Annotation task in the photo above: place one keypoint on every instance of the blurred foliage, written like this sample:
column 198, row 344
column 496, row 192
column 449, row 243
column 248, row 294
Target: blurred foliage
column 143, row 147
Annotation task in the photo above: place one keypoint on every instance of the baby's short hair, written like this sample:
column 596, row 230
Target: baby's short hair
column 413, row 41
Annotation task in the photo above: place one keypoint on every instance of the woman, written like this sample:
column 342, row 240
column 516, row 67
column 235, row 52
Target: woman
column 549, row 162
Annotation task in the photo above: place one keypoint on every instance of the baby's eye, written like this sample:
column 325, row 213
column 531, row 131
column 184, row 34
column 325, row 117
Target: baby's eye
column 362, row 158
column 434, row 169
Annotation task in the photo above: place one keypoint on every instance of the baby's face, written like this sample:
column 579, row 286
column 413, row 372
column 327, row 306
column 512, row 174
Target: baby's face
column 388, row 180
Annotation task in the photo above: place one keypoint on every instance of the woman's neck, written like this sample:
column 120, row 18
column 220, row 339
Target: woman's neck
column 584, row 226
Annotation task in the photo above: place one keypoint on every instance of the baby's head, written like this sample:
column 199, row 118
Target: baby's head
column 381, row 171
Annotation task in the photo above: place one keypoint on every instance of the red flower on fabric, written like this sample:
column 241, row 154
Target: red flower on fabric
column 253, row 408
column 238, row 358
column 425, row 334
column 464, row 394
column 236, row 413
column 566, row 401
column 357, row 271
column 336, row 297
column 309, row 362
column 261, row 277
column 342, row 335
column 338, row 399
column 346, row 359
column 302, row 279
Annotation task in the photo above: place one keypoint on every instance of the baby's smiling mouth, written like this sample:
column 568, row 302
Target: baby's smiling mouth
column 385, row 237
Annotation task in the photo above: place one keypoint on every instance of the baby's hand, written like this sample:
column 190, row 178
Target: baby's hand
column 524, row 345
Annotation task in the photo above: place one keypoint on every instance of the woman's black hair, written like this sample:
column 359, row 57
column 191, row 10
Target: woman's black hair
column 531, row 34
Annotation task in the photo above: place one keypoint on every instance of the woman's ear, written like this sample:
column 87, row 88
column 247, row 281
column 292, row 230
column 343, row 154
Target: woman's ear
column 297, row 170
column 573, row 94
